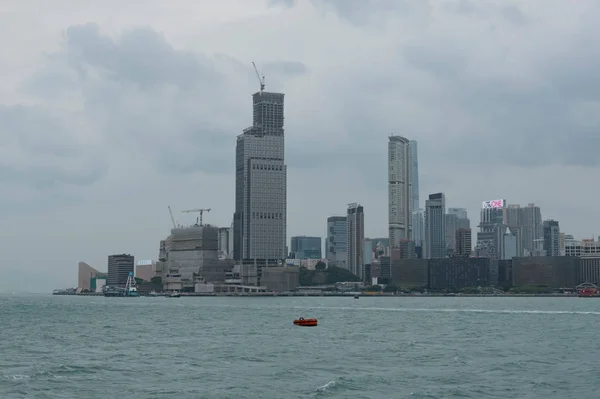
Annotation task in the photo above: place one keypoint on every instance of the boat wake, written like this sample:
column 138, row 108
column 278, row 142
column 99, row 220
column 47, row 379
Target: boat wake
column 457, row 310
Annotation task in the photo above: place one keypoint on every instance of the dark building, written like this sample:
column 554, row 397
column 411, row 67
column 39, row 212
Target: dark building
column 588, row 271
column 464, row 244
column 385, row 264
column 545, row 271
column 505, row 276
column 458, row 272
column 119, row 267
column 304, row 247
column 410, row 273
column 407, row 249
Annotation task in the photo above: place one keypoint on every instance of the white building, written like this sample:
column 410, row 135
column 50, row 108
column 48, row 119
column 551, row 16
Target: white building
column 400, row 194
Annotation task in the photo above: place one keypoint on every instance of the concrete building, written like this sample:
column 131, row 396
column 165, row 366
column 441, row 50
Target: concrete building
column 418, row 227
column 551, row 237
column 368, row 256
column 410, row 273
column 526, row 224
column 261, row 184
column 492, row 226
column 304, row 247
column 89, row 279
column 464, row 244
column 435, row 226
column 459, row 272
column 456, row 218
column 190, row 253
column 145, row 269
column 337, row 241
column 356, row 237
column 509, row 247
column 400, row 190
column 547, row 271
column 226, row 242
column 119, row 267
column 280, row 279
column 587, row 248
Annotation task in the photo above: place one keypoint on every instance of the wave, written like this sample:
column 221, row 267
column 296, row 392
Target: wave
column 435, row 310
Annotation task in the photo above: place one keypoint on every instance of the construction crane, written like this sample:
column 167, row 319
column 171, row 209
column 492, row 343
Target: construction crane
column 172, row 218
column 260, row 80
column 201, row 211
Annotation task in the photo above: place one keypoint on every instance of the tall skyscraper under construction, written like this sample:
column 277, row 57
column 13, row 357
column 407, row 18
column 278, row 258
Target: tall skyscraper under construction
column 261, row 184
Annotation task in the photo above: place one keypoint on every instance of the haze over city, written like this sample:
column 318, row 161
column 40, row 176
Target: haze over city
column 112, row 111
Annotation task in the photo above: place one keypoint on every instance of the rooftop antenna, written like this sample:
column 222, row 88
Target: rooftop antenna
column 260, row 80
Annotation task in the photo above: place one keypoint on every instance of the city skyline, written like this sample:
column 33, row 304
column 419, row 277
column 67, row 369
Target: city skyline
column 105, row 124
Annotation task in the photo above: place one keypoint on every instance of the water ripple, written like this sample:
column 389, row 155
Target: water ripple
column 64, row 347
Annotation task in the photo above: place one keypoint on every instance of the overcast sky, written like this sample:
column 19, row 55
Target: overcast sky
column 112, row 110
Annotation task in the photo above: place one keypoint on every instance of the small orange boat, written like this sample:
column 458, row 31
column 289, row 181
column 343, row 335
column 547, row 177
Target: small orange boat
column 305, row 322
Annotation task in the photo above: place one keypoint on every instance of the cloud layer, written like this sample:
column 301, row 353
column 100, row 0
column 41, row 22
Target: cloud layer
column 105, row 123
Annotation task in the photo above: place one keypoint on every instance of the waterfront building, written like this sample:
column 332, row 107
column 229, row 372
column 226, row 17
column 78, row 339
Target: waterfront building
column 304, row 247
column 400, row 190
column 356, row 237
column 336, row 247
column 261, row 184
column 435, row 226
column 119, row 267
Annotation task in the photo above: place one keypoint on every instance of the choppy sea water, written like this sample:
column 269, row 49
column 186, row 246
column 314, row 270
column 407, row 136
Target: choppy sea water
column 95, row 347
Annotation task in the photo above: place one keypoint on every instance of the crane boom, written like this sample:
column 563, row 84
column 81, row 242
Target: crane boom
column 200, row 211
column 260, row 80
column 172, row 218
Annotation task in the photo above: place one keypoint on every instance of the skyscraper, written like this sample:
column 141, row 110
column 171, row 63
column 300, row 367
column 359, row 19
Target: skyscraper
column 400, row 190
column 414, row 156
column 261, row 183
column 336, row 247
column 456, row 218
column 551, row 237
column 435, row 226
column 356, row 237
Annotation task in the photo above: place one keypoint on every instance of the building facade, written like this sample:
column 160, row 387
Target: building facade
column 400, row 190
column 119, row 267
column 261, row 184
column 464, row 244
column 303, row 247
column 356, row 237
column 435, row 226
column 551, row 237
column 336, row 247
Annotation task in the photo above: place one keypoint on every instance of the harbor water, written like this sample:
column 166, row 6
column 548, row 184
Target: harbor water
column 246, row 347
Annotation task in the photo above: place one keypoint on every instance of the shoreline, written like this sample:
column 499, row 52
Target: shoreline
column 351, row 295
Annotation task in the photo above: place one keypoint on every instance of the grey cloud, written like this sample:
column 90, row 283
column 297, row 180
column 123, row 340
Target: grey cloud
column 141, row 56
column 362, row 12
column 144, row 96
column 42, row 150
column 285, row 67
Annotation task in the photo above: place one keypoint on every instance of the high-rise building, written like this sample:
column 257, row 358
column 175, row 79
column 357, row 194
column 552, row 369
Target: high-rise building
column 304, row 247
column 551, row 237
column 356, row 237
column 435, row 226
column 119, row 267
column 492, row 226
column 261, row 184
column 400, row 190
column 414, row 156
column 456, row 218
column 336, row 247
column 526, row 224
column 464, row 244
